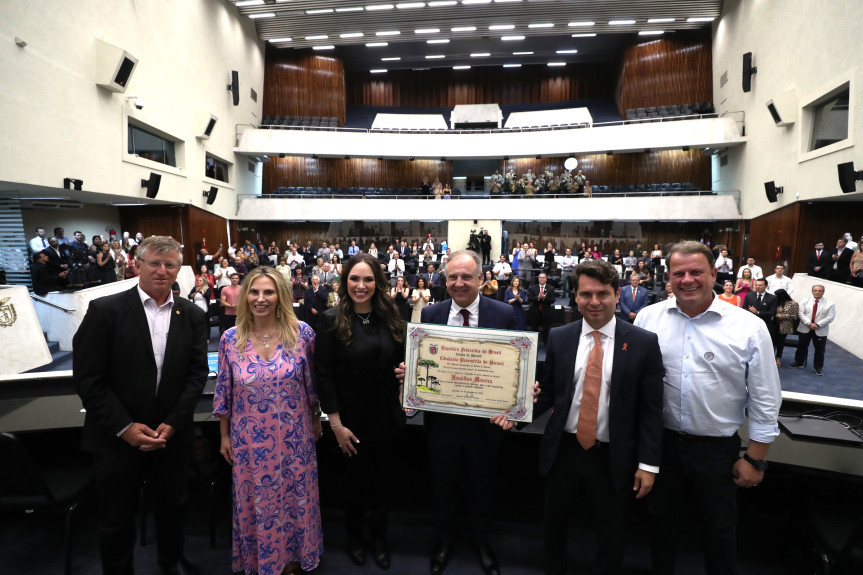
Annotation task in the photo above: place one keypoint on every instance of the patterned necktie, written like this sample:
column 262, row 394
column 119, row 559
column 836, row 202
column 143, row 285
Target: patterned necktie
column 465, row 316
column 585, row 430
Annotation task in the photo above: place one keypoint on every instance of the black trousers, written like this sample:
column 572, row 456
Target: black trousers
column 696, row 476
column 582, row 479
column 462, row 449
column 368, row 488
column 118, row 480
column 820, row 343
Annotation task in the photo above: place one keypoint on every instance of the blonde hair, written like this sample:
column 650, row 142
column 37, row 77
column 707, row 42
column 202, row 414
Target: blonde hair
column 288, row 325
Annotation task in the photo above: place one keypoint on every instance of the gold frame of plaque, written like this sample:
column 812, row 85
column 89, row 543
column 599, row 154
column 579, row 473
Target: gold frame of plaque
column 470, row 371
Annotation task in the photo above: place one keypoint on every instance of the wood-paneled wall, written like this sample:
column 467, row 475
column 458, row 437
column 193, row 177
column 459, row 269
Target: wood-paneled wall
column 674, row 70
column 360, row 172
column 299, row 83
column 187, row 224
column 621, row 169
column 484, row 85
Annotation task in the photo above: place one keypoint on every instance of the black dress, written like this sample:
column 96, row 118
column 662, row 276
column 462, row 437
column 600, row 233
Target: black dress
column 108, row 272
column 403, row 306
column 358, row 382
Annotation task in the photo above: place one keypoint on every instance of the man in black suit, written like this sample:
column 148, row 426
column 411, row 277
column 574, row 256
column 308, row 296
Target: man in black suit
column 603, row 379
column 309, row 253
column 816, row 264
column 315, row 301
column 461, row 446
column 485, row 247
column 541, row 298
column 432, row 279
column 761, row 303
column 45, row 278
column 58, row 254
column 140, row 404
column 840, row 266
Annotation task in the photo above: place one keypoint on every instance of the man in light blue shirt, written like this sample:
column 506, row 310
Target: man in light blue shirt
column 719, row 367
column 353, row 249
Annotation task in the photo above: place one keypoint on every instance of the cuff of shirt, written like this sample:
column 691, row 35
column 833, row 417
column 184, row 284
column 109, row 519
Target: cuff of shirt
column 122, row 431
column 763, row 432
column 651, row 468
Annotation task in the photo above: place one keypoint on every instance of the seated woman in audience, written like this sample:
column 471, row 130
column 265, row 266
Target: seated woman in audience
column 585, row 250
column 401, row 294
column 588, row 189
column 415, row 248
column 201, row 295
column 299, row 284
column 615, row 259
column 283, row 267
column 105, row 261
column 132, row 263
column 857, row 266
column 744, row 284
column 447, row 192
column 204, row 272
column 333, row 296
column 437, row 189
column 336, row 266
column 222, row 275
column 427, row 257
column 120, row 260
column 642, row 272
column 787, row 310
column 420, row 298
column 595, row 253
column 656, row 256
column 360, row 343
column 373, row 251
column 489, row 285
column 515, row 296
column 269, row 421
column 728, row 294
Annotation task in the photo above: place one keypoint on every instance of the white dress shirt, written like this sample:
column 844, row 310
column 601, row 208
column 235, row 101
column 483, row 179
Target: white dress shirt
column 585, row 346
column 724, row 265
column 455, row 317
column 774, row 283
column 757, row 274
column 158, row 320
column 396, row 267
column 719, row 367
column 38, row 244
column 824, row 316
column 501, row 271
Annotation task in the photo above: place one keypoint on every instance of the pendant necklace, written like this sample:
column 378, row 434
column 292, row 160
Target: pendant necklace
column 365, row 319
column 265, row 340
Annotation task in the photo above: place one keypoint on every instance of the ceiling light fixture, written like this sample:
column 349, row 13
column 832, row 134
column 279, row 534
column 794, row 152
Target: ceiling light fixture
column 590, row 35
column 442, row 3
column 441, row 41
column 502, row 27
column 327, row 47
column 543, row 25
column 651, row 33
column 522, row 53
column 408, row 5
column 511, row 38
column 378, row 71
column 245, row 3
column 320, row 11
column 621, row 22
column 373, row 7
column 393, row 59
column 263, row 15
column 435, row 57
column 461, row 67
column 556, row 64
column 463, row 29
column 567, row 51
column 427, row 31
column 351, row 35
column 388, row 33
column 512, row 65
column 279, row 40
column 586, row 23
column 377, row 44
column 350, row 9
column 659, row 20
column 701, row 19
column 319, row 37
column 470, row 2
column 480, row 54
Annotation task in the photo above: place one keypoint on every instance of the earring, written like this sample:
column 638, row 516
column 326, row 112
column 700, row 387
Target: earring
column 278, row 313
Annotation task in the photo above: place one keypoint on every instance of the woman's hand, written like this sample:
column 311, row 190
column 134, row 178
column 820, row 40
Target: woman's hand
column 400, row 372
column 346, row 440
column 226, row 450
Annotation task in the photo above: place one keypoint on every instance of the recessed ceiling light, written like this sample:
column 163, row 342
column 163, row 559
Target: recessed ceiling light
column 441, row 41
column 505, row 1
column 502, row 27
column 350, row 9
column 659, row 20
column 407, row 5
column 328, row 47
column 573, row 51
column 378, row 71
column 463, row 29
column 587, row 23
column 427, row 30
column 388, row 33
column 319, row 37
column 420, row 69
column 244, row 3
column 373, row 7
column 320, row 11
column 392, row 59
column 590, row 35
column 435, row 57
column 469, row 2
column 543, row 25
column 461, row 67
column 512, row 65
column 651, row 32
column 522, row 53
column 555, row 64
column 511, row 38
column 620, row 22
column 442, row 3
column 377, row 44
column 351, row 35
column 701, row 19
column 277, row 40
column 480, row 54
column 263, row 15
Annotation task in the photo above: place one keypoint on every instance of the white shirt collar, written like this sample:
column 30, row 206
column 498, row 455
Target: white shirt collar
column 473, row 308
column 144, row 297
column 716, row 306
column 607, row 330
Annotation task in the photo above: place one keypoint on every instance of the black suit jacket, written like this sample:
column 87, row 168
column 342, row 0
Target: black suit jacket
column 544, row 306
column 767, row 309
column 635, row 405
column 825, row 263
column 114, row 370
column 55, row 261
column 843, row 269
column 45, row 279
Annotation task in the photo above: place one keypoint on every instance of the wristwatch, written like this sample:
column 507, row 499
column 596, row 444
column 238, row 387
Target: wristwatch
column 758, row 464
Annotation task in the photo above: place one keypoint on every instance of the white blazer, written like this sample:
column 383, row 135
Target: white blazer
column 826, row 313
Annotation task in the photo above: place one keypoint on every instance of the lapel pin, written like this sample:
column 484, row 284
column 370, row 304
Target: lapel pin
column 177, row 312
column 624, row 347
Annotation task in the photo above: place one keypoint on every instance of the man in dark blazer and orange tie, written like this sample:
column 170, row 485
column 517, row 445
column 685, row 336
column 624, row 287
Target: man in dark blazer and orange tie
column 601, row 448
column 139, row 366
column 462, row 447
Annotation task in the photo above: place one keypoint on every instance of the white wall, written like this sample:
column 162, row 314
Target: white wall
column 91, row 220
column 57, row 123
column 797, row 45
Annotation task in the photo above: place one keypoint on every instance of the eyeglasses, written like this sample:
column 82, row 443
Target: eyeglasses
column 156, row 264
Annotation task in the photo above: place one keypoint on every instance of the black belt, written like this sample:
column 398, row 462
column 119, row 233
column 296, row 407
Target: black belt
column 683, row 436
column 599, row 444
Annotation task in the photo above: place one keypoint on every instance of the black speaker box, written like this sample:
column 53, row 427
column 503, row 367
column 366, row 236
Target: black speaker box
column 770, row 189
column 234, row 87
column 211, row 195
column 152, row 184
column 847, row 177
column 748, row 70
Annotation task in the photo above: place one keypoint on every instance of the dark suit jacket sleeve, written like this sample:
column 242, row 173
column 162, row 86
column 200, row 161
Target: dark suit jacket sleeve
column 181, row 415
column 651, row 387
column 91, row 375
column 326, row 362
column 769, row 308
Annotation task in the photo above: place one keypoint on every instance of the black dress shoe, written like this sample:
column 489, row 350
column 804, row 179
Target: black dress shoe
column 381, row 552
column 439, row 558
column 487, row 560
column 357, row 551
column 179, row 567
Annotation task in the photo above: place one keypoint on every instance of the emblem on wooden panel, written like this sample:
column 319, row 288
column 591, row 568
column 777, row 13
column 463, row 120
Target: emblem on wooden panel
column 7, row 313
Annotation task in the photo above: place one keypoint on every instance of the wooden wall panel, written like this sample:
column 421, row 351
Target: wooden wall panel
column 299, row 83
column 674, row 70
column 621, row 169
column 773, row 239
column 186, row 224
column 360, row 172
column 485, row 85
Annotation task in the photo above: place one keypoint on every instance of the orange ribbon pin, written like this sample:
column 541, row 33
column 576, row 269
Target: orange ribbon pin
column 624, row 347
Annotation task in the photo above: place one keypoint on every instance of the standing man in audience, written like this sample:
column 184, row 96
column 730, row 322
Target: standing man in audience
column 57, row 255
column 779, row 281
column 762, row 304
column 326, row 276
column 816, row 314
column 541, row 298
column 817, row 262
column 40, row 242
column 396, row 268
column 432, row 279
column 309, row 253
column 324, row 252
column 667, row 293
column 295, row 259
column 205, row 259
column 462, row 447
column 485, row 247
column 353, row 249
column 45, row 278
column 849, row 242
column 724, row 267
column 756, row 270
column 60, row 234
column 140, row 405
column 567, row 264
column 633, row 298
column 228, row 299
column 502, row 272
column 719, row 369
column 603, row 442
column 840, row 266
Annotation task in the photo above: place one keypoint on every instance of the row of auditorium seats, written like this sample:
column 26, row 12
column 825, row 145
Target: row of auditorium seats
column 671, row 188
column 655, row 112
column 310, row 121
column 522, row 129
column 645, row 188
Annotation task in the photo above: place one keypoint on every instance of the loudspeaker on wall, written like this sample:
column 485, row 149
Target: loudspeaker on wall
column 114, row 66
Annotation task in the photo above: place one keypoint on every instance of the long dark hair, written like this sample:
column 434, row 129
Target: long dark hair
column 781, row 296
column 383, row 305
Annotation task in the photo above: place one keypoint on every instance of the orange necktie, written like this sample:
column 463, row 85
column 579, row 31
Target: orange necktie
column 585, row 430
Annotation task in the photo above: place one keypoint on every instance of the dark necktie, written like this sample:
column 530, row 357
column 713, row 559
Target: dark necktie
column 465, row 317
column 759, row 300
column 814, row 310
column 585, row 430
